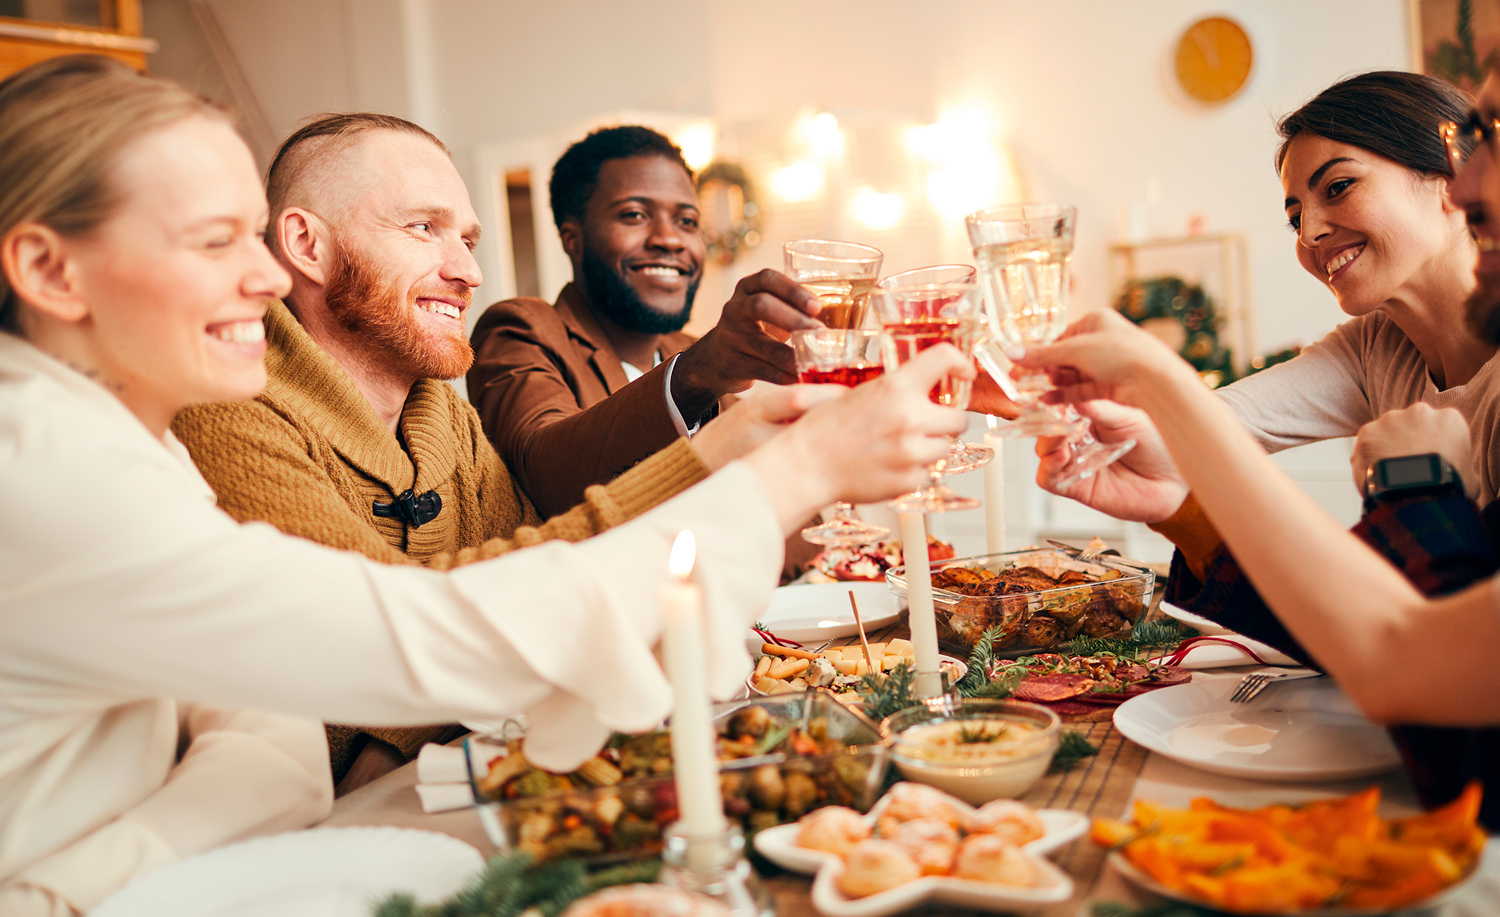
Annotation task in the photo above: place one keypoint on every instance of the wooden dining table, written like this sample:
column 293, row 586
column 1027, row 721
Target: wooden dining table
column 1101, row 786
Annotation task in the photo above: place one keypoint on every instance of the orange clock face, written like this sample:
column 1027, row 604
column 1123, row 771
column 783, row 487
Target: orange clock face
column 1214, row 57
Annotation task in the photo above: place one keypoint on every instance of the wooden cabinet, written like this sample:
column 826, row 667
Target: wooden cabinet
column 26, row 38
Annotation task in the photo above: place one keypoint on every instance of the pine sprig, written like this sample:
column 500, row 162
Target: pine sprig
column 1072, row 747
column 887, row 694
column 1147, row 639
column 512, row 884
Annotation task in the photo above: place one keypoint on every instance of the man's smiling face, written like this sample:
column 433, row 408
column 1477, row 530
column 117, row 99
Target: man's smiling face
column 639, row 247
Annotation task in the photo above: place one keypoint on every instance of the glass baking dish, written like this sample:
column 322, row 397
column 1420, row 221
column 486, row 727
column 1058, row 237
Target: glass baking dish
column 625, row 821
column 1038, row 619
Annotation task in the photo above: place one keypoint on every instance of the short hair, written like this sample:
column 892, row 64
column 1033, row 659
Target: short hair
column 64, row 123
column 575, row 177
column 1390, row 112
column 290, row 163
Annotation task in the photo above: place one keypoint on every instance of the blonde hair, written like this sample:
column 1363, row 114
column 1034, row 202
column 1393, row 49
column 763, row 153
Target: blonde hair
column 63, row 125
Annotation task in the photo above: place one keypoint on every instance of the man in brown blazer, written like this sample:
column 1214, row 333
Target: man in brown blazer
column 575, row 393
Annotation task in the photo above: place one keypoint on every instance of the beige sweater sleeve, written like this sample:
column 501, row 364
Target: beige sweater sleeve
column 260, row 465
column 244, row 774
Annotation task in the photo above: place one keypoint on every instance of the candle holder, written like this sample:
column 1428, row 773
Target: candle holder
column 714, row 865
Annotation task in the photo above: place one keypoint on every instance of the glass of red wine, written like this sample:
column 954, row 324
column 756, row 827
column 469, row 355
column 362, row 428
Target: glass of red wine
column 913, row 317
column 840, row 357
column 964, row 456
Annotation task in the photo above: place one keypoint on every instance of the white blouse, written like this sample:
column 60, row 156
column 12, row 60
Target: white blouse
column 128, row 601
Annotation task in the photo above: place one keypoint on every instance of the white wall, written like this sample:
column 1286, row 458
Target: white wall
column 1078, row 90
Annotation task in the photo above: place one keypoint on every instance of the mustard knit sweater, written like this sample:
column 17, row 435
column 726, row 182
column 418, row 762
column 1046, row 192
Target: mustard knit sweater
column 311, row 457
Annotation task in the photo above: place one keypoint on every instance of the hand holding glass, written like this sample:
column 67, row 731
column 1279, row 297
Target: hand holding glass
column 1023, row 252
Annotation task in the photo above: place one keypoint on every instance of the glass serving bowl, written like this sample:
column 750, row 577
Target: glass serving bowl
column 1041, row 619
column 974, row 748
column 626, row 820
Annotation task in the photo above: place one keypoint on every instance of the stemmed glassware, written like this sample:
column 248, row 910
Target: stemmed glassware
column 964, row 456
column 841, row 274
column 915, row 317
column 1023, row 252
column 842, row 357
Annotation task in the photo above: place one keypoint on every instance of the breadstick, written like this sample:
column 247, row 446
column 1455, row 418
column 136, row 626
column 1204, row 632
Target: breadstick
column 788, row 668
column 762, row 666
column 772, row 649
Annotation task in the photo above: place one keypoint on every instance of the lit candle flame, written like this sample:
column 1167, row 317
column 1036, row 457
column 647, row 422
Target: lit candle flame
column 684, row 550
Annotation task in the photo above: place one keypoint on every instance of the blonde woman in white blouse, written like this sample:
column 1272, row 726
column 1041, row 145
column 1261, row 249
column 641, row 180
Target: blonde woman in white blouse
column 138, row 623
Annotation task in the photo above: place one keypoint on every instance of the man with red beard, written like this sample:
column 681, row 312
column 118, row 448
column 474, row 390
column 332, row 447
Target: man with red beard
column 357, row 441
column 573, row 394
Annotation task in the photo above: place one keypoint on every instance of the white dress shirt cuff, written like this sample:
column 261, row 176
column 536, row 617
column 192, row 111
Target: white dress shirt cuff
column 672, row 409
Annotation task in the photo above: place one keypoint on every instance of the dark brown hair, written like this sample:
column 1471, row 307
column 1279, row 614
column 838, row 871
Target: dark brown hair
column 1390, row 112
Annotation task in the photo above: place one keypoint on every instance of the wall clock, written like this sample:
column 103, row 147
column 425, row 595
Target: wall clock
column 1214, row 59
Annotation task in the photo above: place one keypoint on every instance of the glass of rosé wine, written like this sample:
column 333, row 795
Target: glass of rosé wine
column 914, row 317
column 839, row 356
column 964, row 456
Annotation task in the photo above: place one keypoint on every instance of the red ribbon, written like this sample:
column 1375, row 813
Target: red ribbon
column 1192, row 643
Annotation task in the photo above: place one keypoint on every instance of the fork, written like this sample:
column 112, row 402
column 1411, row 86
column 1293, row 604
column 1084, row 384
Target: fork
column 1085, row 555
column 1251, row 685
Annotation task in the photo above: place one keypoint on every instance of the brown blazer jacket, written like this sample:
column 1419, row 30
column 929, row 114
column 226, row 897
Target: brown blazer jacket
column 553, row 398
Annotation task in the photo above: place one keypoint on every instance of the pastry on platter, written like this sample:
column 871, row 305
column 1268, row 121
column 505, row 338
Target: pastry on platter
column 874, row 866
column 1012, row 821
column 832, row 829
column 932, row 844
column 987, row 858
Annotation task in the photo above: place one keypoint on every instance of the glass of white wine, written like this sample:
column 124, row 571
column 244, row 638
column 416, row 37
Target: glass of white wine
column 913, row 318
column 1023, row 252
column 841, row 274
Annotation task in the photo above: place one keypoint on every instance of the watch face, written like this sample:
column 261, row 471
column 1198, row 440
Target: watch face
column 1409, row 470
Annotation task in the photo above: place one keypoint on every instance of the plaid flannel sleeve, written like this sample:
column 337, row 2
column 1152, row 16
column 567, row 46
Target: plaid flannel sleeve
column 1441, row 544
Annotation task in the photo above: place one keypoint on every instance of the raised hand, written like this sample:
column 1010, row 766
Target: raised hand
column 1144, row 485
column 740, row 350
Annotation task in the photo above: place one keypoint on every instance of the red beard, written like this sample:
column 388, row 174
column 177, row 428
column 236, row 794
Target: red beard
column 369, row 305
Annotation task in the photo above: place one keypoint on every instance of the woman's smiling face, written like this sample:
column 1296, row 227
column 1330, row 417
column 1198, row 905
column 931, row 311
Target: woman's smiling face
column 1366, row 225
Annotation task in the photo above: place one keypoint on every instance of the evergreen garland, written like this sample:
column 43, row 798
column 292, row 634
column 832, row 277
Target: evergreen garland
column 512, row 884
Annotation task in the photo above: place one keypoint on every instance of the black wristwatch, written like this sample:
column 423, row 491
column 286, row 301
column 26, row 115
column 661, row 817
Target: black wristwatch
column 1406, row 475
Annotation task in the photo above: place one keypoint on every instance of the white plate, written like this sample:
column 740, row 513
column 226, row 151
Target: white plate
column 1297, row 730
column 324, row 872
column 779, row 844
column 1129, row 871
column 1197, row 622
column 815, row 612
column 826, row 897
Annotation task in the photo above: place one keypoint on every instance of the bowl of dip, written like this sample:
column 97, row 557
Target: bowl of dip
column 976, row 749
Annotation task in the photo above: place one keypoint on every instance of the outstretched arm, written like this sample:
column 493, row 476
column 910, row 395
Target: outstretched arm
column 1358, row 615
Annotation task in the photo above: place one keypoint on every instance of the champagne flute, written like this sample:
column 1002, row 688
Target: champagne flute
column 841, row 274
column 913, row 318
column 963, row 456
column 1023, row 252
column 848, row 357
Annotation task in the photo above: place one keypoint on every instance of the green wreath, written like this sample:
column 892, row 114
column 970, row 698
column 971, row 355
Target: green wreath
column 726, row 243
column 1174, row 299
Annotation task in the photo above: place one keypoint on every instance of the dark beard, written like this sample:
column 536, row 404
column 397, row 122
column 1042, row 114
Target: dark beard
column 618, row 301
column 1484, row 308
column 369, row 305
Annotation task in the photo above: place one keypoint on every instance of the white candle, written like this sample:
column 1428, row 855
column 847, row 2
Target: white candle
column 994, row 494
column 923, row 621
column 700, row 805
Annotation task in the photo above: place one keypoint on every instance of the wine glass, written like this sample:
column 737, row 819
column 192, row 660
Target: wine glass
column 849, row 357
column 1023, row 252
column 841, row 274
column 963, row 456
column 913, row 318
